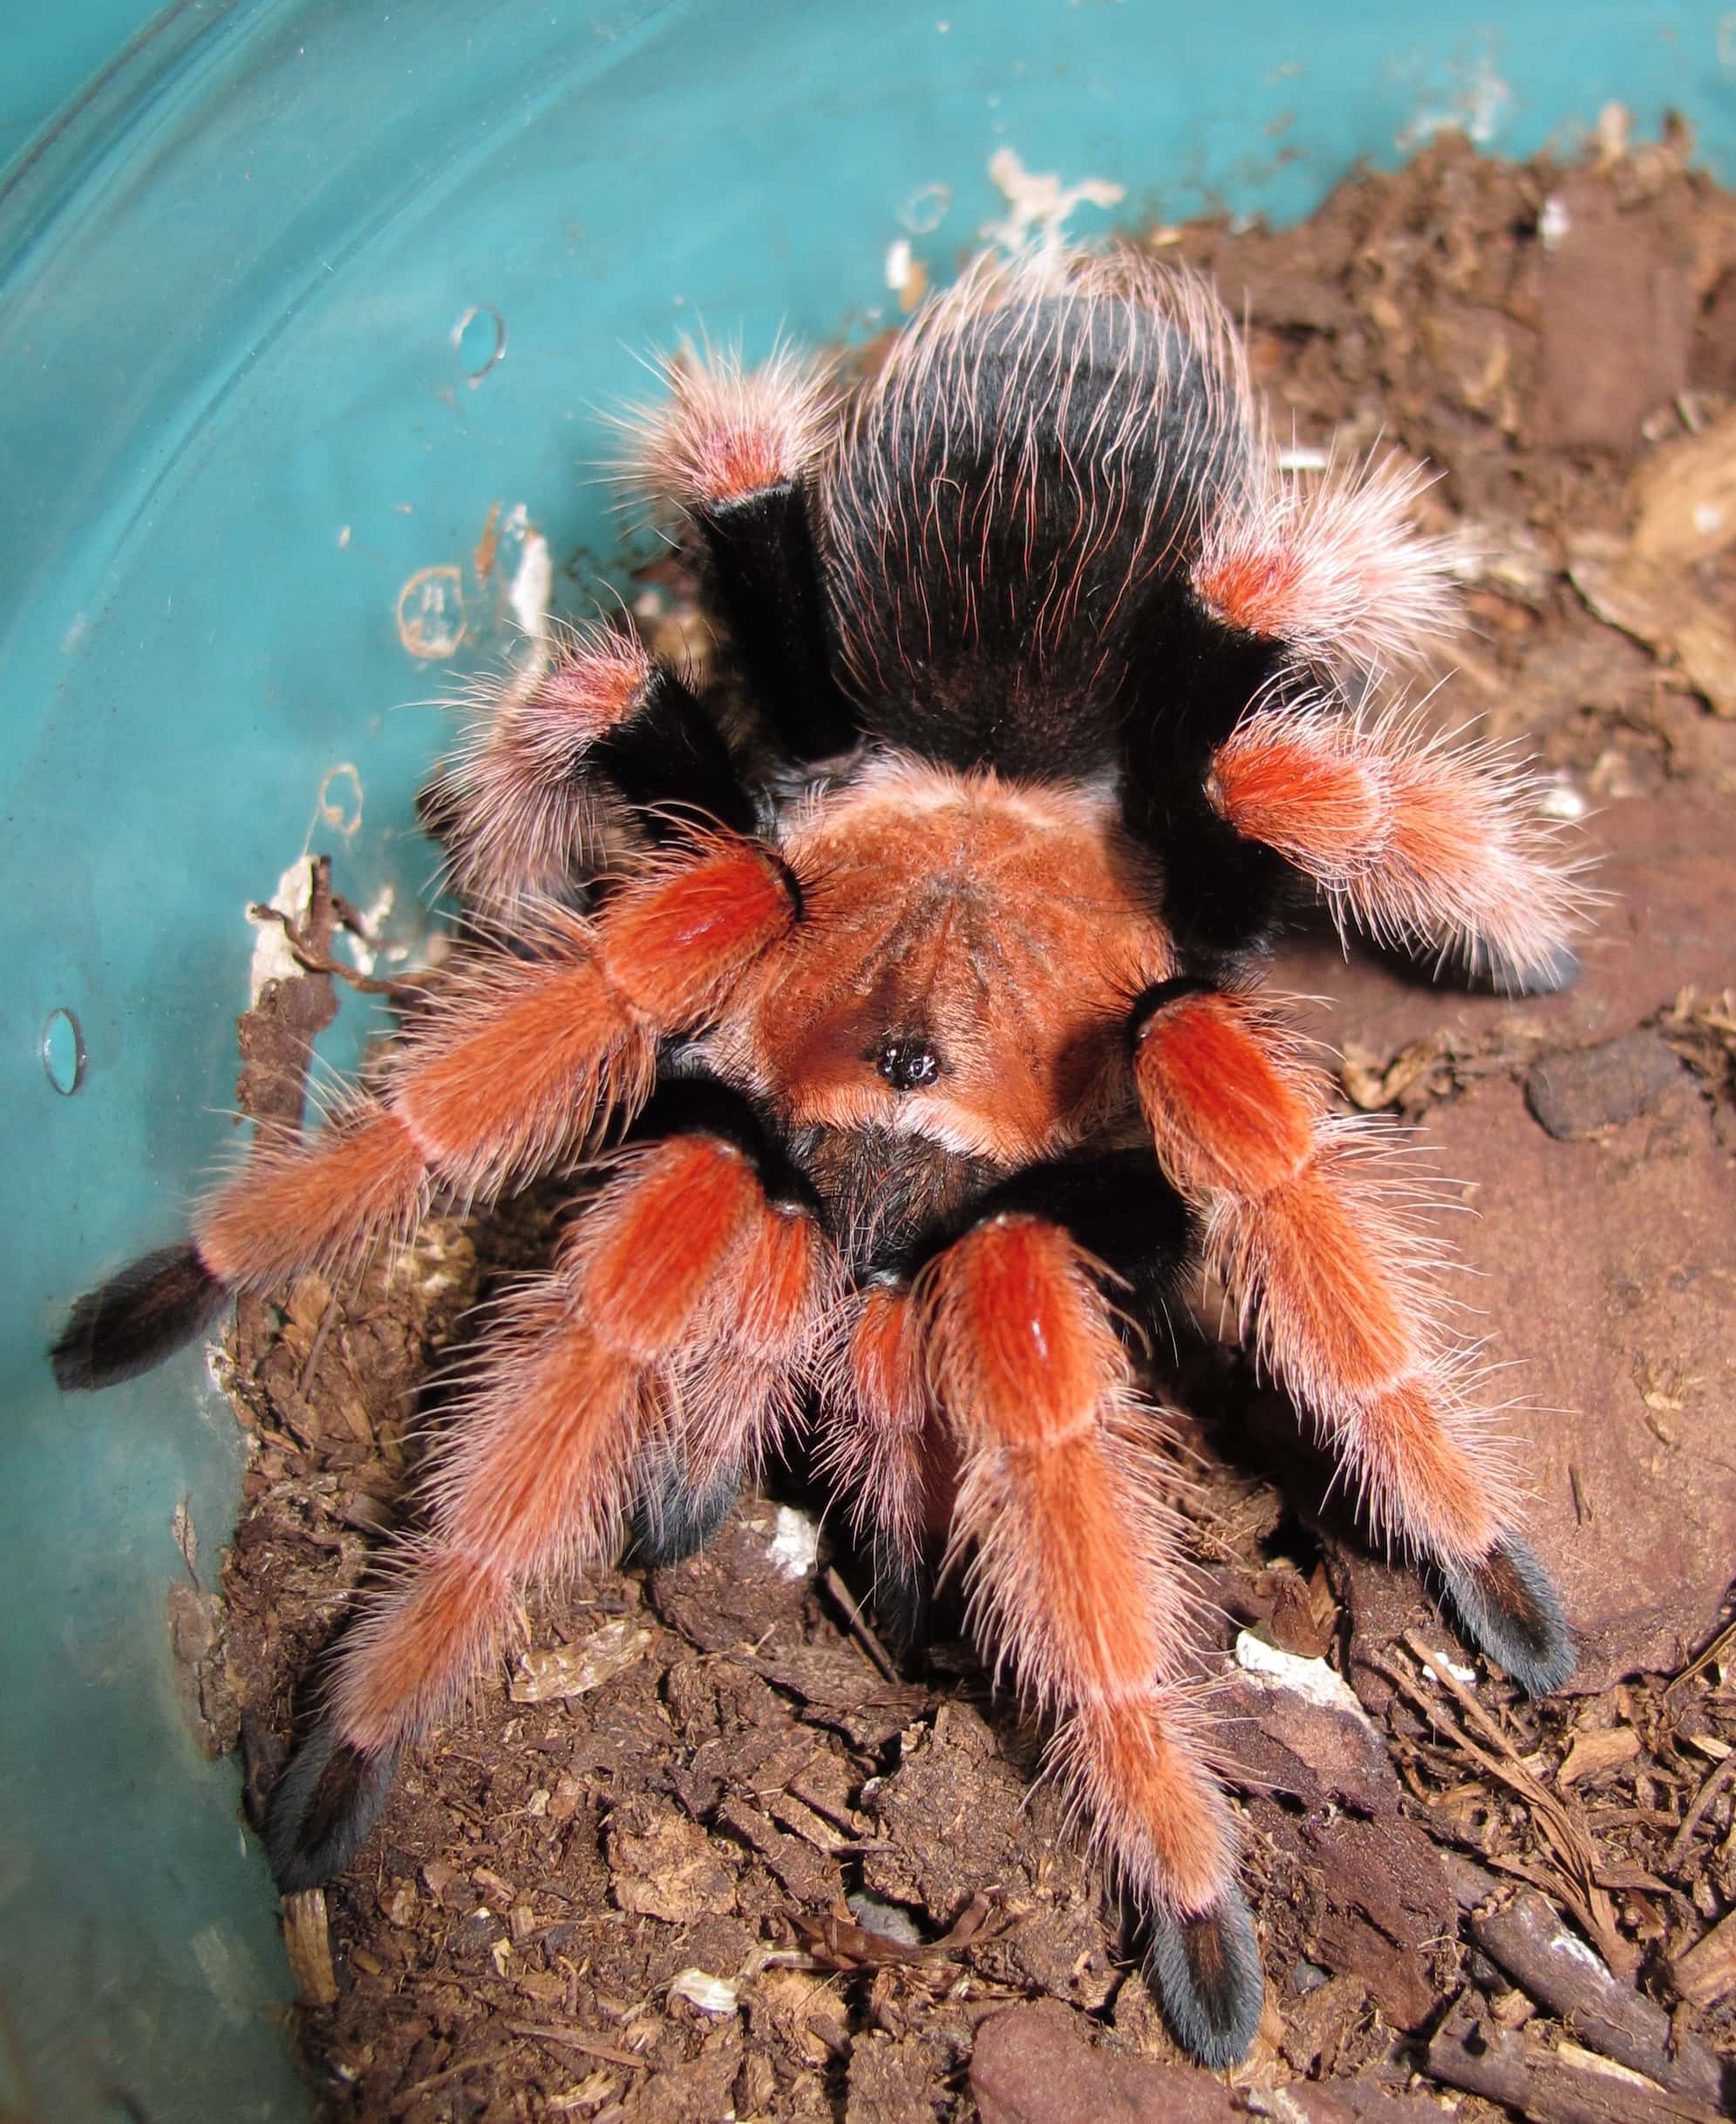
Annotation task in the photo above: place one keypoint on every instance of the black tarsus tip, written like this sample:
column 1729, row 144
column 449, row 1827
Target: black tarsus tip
column 903, row 1596
column 672, row 1518
column 1206, row 1971
column 137, row 1318
column 323, row 1808
column 1508, row 1609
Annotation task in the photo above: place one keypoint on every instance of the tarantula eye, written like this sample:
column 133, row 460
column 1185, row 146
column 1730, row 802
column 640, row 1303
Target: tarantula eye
column 907, row 1064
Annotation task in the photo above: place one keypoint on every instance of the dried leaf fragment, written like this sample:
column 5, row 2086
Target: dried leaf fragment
column 571, row 1669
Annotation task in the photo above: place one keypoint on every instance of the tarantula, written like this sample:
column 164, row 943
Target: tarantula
column 928, row 997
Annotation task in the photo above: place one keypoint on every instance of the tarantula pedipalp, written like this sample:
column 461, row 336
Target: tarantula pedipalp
column 928, row 1006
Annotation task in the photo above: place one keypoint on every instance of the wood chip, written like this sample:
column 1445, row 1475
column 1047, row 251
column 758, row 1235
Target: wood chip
column 571, row 1669
column 1707, row 1972
column 307, row 1942
column 1592, row 1753
column 1656, row 603
column 1684, row 497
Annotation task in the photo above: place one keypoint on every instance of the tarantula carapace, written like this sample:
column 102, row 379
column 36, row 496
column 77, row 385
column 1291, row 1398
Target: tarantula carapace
column 923, row 998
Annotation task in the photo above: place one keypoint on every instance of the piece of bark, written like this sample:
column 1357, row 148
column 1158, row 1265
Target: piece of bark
column 1684, row 497
column 1035, row 2065
column 307, row 1945
column 1555, row 1967
column 1546, row 2085
column 1616, row 317
column 1658, row 603
column 1707, row 1970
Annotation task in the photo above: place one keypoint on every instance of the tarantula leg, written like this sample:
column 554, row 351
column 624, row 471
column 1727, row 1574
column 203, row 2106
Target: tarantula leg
column 537, row 1465
column 1075, row 1582
column 1118, row 1206
column 733, row 453
column 885, row 1448
column 324, row 1808
column 1329, row 1279
column 517, row 807
column 509, row 1071
column 1507, row 1605
column 675, row 1514
column 1411, row 840
column 731, row 1397
column 1206, row 1970
column 1336, row 571
column 138, row 1318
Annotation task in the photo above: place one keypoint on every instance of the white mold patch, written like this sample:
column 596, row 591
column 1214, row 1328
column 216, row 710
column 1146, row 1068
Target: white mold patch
column 272, row 958
column 1476, row 104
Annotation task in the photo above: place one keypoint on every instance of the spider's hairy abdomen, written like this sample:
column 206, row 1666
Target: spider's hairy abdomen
column 1022, row 487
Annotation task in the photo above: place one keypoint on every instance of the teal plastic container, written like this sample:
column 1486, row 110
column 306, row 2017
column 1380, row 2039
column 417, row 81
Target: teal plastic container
column 292, row 296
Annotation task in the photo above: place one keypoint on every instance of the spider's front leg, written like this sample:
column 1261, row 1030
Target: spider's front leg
column 679, row 1287
column 1332, row 1283
column 1075, row 1583
column 513, row 1067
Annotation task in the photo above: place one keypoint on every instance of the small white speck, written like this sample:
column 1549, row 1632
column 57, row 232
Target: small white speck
column 898, row 263
column 1553, row 223
column 1434, row 1669
column 343, row 537
column 1560, row 800
column 1303, row 459
column 795, row 1546
column 1708, row 518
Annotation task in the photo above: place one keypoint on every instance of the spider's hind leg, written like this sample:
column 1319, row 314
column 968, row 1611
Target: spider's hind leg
column 522, row 807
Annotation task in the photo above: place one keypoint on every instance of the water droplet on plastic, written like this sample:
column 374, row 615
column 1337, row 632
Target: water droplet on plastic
column 480, row 338
column 64, row 1058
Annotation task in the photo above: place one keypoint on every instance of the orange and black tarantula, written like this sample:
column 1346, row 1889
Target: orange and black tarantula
column 924, row 1002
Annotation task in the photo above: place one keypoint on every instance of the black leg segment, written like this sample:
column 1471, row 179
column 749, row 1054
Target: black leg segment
column 669, row 757
column 766, row 572
column 137, row 1318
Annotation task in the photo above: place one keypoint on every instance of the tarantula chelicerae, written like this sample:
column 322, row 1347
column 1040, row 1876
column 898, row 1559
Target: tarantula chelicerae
column 928, row 1003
